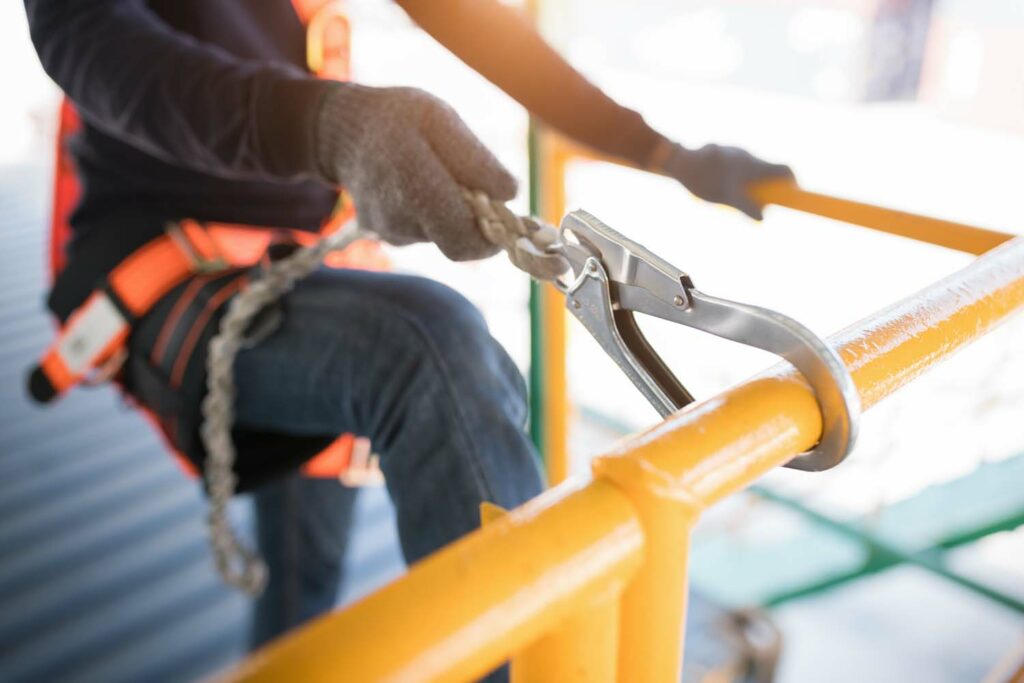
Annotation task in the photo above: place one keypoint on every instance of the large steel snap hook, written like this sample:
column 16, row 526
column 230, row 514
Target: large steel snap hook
column 614, row 278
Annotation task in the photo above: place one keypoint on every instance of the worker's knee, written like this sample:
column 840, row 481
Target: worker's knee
column 447, row 322
column 385, row 345
column 444, row 315
column 454, row 334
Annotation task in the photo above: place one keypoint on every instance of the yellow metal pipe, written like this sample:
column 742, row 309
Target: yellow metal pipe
column 554, row 160
column 554, row 404
column 474, row 603
column 943, row 233
column 654, row 603
column 721, row 445
column 465, row 609
column 556, row 390
column 958, row 236
column 894, row 346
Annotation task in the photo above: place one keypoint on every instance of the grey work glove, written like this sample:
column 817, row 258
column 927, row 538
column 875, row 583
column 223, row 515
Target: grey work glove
column 722, row 174
column 404, row 156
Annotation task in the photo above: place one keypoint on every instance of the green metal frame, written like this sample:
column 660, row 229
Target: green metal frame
column 884, row 555
column 536, row 383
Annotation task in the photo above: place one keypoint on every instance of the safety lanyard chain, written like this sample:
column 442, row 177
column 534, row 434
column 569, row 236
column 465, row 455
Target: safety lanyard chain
column 240, row 566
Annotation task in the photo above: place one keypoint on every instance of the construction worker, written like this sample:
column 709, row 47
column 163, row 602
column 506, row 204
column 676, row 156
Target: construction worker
column 205, row 111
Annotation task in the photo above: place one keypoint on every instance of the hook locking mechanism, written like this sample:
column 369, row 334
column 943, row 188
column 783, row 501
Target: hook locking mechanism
column 614, row 278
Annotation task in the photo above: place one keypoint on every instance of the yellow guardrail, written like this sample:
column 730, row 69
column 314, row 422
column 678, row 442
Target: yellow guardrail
column 588, row 581
column 958, row 236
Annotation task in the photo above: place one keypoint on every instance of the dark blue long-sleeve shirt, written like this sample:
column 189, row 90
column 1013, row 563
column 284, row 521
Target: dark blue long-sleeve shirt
column 204, row 109
column 190, row 109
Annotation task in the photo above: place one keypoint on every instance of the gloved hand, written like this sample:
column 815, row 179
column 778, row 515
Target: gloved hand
column 404, row 156
column 722, row 174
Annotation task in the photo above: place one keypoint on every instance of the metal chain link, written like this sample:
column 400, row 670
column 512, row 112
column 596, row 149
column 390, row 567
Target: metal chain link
column 527, row 241
column 239, row 565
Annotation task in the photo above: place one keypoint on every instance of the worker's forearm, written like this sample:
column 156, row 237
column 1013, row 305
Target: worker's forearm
column 191, row 104
column 500, row 44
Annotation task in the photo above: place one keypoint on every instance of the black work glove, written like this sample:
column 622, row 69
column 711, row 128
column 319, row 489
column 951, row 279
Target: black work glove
column 722, row 174
column 404, row 156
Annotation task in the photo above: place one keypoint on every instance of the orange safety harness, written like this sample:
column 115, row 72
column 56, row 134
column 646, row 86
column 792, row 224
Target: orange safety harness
column 92, row 345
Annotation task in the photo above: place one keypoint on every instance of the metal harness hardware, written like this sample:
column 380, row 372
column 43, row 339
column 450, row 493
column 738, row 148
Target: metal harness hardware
column 615, row 277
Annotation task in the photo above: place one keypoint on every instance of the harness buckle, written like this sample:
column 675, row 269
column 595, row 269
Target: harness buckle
column 205, row 254
column 90, row 342
column 328, row 40
column 614, row 278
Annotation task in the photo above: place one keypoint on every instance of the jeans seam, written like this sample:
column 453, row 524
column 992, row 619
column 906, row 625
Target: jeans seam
column 291, row 581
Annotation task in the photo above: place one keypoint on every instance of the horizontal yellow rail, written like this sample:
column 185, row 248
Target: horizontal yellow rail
column 958, row 236
column 464, row 609
column 943, row 233
column 622, row 537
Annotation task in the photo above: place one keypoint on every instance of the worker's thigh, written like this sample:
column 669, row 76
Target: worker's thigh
column 410, row 364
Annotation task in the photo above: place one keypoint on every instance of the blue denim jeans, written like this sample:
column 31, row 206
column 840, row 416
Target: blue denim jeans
column 410, row 364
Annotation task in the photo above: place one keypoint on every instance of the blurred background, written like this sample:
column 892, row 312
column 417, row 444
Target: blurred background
column 913, row 104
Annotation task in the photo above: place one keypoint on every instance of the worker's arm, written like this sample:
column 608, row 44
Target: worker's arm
column 498, row 42
column 188, row 103
column 403, row 155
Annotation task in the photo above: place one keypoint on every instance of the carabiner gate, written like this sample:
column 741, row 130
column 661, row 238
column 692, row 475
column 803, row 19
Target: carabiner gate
column 614, row 278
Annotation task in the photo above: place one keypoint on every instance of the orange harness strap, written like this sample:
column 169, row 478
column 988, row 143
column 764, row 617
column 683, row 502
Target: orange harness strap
column 93, row 341
column 96, row 332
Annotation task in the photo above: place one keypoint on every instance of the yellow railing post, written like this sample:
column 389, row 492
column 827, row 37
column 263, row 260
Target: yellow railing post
column 555, row 393
column 582, row 649
column 653, row 611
